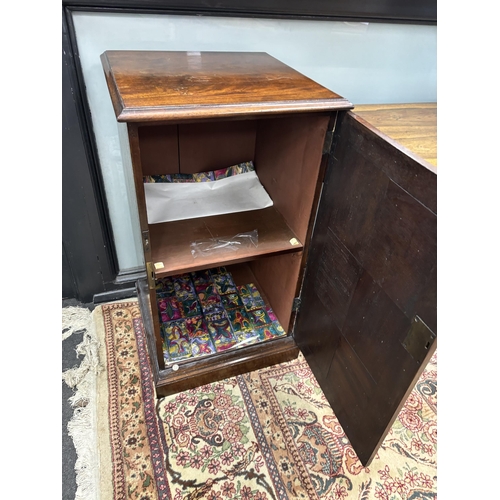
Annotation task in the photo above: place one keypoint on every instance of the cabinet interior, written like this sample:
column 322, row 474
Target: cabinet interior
column 287, row 152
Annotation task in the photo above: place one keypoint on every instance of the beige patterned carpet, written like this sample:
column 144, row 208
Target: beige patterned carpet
column 269, row 434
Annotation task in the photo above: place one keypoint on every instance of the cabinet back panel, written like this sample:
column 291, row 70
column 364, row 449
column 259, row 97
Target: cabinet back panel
column 159, row 150
column 287, row 159
column 215, row 145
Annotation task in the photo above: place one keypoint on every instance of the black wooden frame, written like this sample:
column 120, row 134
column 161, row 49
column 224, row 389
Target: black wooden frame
column 90, row 265
column 89, row 262
column 399, row 11
column 86, row 262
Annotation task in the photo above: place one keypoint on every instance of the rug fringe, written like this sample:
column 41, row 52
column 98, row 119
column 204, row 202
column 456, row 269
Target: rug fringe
column 74, row 319
column 82, row 427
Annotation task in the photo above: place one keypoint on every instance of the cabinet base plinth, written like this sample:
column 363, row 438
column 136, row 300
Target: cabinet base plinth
column 219, row 367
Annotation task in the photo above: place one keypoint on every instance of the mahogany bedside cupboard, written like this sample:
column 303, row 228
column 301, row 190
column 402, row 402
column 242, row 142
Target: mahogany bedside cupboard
column 347, row 252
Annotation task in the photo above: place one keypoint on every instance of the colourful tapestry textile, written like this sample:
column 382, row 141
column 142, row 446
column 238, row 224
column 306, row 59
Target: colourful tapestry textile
column 226, row 315
column 213, row 175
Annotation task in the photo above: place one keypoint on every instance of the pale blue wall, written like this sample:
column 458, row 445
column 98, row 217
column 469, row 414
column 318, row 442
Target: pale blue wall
column 364, row 62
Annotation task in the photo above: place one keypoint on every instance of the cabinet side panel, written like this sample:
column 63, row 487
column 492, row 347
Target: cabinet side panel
column 287, row 159
column 135, row 152
column 145, row 304
column 136, row 158
column 278, row 277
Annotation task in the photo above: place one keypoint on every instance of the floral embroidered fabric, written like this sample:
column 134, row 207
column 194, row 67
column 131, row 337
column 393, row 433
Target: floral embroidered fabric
column 213, row 175
column 206, row 312
column 269, row 434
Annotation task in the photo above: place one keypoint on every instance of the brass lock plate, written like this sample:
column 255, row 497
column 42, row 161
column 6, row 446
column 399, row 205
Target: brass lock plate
column 419, row 340
column 151, row 275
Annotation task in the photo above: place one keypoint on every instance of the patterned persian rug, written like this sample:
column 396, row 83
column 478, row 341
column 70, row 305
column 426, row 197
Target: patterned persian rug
column 269, row 434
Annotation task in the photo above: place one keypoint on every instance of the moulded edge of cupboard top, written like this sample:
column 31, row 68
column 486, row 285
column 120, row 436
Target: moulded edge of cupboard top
column 174, row 86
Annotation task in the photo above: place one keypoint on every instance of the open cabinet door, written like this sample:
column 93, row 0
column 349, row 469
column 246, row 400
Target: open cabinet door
column 367, row 319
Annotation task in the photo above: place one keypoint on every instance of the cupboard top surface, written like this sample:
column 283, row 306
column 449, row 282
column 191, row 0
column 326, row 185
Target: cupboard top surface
column 413, row 125
column 175, row 86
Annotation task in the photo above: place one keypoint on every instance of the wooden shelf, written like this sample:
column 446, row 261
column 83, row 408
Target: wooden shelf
column 171, row 241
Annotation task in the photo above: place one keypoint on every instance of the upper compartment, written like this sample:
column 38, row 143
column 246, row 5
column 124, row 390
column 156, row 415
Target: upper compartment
column 151, row 86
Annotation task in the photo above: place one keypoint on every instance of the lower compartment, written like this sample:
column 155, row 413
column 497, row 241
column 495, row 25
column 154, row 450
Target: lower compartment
column 211, row 311
column 226, row 329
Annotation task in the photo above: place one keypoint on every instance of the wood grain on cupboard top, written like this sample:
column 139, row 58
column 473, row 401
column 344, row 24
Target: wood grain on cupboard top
column 174, row 86
column 414, row 126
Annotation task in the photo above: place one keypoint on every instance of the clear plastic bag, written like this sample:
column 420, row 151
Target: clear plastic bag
column 229, row 244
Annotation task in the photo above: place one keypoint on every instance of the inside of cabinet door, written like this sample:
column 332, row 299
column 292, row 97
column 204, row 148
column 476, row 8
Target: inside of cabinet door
column 367, row 321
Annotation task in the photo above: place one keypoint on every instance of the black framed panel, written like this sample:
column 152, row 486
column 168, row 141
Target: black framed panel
column 401, row 11
column 89, row 262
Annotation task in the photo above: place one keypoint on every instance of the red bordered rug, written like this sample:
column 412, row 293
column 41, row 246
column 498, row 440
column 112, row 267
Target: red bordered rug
column 269, row 434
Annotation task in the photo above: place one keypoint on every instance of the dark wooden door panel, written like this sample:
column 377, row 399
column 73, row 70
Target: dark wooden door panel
column 367, row 321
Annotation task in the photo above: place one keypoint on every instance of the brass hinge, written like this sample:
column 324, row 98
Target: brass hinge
column 145, row 240
column 327, row 145
column 151, row 275
column 296, row 304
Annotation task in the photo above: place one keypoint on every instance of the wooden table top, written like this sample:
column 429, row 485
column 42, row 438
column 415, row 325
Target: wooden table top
column 414, row 126
column 178, row 85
